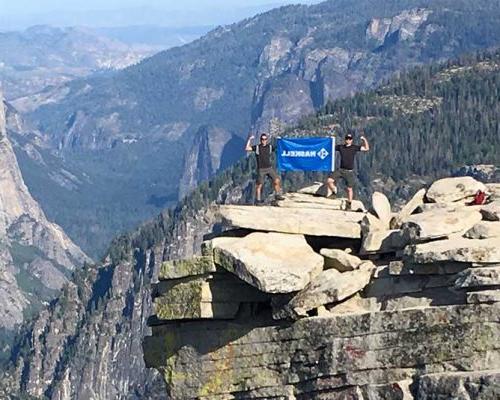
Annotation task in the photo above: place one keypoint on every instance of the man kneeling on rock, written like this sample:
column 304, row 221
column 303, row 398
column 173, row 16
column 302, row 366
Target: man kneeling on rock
column 263, row 152
column 347, row 153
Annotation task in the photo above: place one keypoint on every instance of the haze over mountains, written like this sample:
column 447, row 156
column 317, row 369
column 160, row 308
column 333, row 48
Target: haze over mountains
column 139, row 139
column 43, row 56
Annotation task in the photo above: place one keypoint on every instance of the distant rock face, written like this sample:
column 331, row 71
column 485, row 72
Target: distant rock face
column 205, row 158
column 33, row 249
column 404, row 25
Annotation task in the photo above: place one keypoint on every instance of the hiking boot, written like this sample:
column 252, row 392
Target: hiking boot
column 278, row 197
column 348, row 206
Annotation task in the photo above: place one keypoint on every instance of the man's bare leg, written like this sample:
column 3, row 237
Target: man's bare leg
column 258, row 191
column 277, row 186
column 332, row 189
column 349, row 194
column 349, row 198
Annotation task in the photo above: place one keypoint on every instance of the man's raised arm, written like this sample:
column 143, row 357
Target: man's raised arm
column 365, row 146
column 248, row 146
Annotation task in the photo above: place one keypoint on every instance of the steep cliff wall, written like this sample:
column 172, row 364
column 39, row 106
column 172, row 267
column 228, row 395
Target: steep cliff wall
column 36, row 256
column 397, row 306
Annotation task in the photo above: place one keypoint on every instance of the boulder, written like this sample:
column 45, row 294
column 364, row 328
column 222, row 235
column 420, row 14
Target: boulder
column 384, row 242
column 311, row 190
column 440, row 224
column 449, row 190
column 478, row 277
column 298, row 200
column 371, row 223
column 494, row 190
column 491, row 211
column 305, row 221
column 271, row 262
column 409, row 208
column 382, row 208
column 457, row 249
column 331, row 286
column 340, row 260
column 184, row 268
column 484, row 230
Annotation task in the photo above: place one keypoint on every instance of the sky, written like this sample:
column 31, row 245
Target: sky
column 19, row 14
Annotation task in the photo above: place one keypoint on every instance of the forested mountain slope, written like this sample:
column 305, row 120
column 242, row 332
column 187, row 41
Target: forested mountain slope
column 424, row 125
column 147, row 135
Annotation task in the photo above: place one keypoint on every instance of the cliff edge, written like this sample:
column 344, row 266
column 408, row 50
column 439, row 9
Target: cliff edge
column 309, row 301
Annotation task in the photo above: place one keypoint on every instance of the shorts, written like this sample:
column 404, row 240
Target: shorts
column 262, row 173
column 346, row 174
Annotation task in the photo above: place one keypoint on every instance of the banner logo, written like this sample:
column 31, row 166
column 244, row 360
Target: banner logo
column 323, row 153
column 306, row 154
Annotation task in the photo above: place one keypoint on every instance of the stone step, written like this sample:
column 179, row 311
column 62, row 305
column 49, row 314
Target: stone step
column 216, row 288
column 458, row 249
column 184, row 268
column 167, row 311
column 299, row 200
column 308, row 221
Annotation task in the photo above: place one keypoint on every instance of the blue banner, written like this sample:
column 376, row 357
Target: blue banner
column 306, row 154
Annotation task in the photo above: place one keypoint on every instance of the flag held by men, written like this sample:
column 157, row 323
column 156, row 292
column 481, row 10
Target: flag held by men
column 306, row 154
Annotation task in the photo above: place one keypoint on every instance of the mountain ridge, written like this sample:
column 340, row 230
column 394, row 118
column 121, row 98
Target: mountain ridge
column 278, row 65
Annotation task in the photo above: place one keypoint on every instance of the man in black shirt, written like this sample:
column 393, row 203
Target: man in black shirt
column 347, row 153
column 263, row 152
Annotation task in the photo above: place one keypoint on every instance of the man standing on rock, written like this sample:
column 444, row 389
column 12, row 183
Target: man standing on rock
column 263, row 153
column 347, row 153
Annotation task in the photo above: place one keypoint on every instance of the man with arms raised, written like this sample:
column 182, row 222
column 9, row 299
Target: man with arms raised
column 265, row 169
column 347, row 153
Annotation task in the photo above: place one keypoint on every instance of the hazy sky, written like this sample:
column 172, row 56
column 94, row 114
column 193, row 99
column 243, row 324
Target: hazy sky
column 22, row 13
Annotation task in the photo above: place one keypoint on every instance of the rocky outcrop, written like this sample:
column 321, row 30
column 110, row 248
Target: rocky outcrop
column 404, row 26
column 417, row 320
